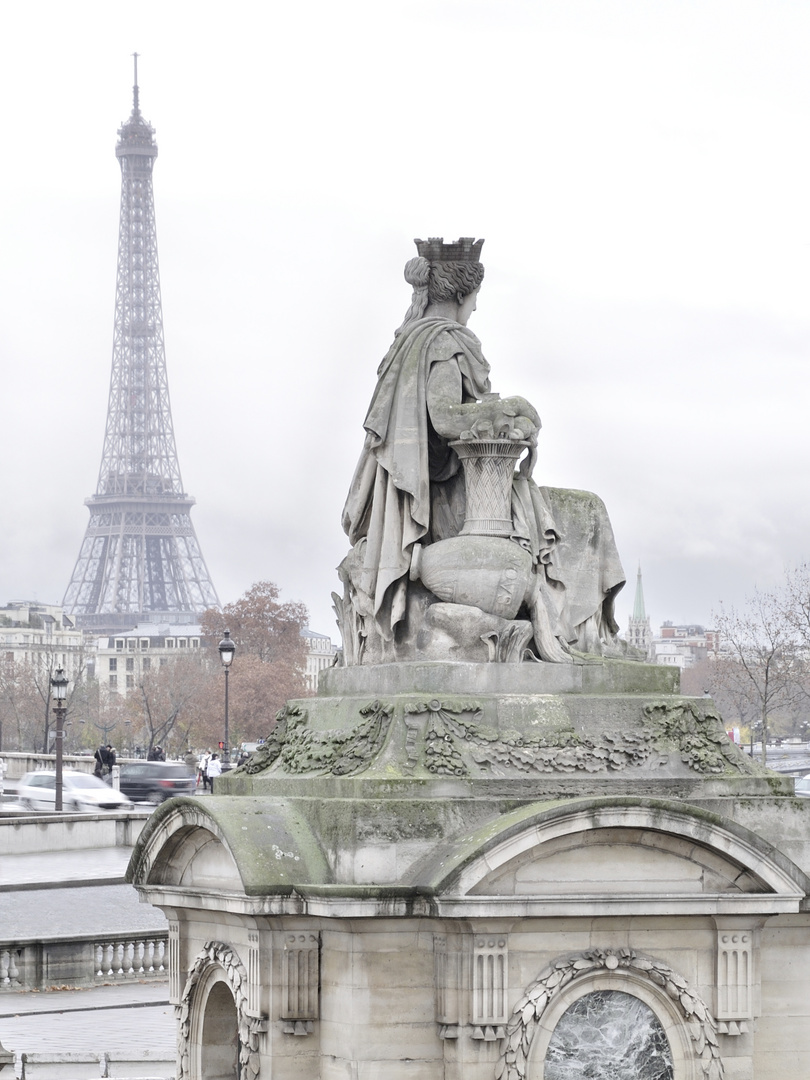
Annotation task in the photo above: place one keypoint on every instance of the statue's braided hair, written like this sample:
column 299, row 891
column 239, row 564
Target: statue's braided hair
column 434, row 282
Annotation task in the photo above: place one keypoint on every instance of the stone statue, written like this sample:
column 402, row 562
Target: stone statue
column 455, row 555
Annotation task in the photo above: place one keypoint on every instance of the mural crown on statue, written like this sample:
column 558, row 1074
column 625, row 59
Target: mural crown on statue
column 465, row 249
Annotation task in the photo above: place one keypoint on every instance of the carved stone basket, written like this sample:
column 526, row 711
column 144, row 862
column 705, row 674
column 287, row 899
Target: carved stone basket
column 489, row 465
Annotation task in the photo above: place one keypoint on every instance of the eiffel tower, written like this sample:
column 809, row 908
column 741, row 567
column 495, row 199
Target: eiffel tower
column 140, row 560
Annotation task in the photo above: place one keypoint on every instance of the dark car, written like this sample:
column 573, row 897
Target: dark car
column 155, row 781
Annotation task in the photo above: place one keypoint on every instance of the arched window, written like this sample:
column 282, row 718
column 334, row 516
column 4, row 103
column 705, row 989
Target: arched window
column 608, row 1035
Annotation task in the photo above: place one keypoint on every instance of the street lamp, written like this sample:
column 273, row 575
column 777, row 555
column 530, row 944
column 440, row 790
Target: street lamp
column 226, row 650
column 59, row 685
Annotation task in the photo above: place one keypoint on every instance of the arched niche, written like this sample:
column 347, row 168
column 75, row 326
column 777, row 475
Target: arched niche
column 219, row 1033
column 218, row 1037
column 684, row 1017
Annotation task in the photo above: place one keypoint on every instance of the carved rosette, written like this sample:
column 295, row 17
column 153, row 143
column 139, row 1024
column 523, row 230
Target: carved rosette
column 528, row 1010
column 218, row 954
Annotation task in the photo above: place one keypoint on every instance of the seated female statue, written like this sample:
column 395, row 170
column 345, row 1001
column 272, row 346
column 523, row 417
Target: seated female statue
column 408, row 497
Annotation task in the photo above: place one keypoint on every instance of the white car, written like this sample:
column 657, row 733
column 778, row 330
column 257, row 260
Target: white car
column 80, row 791
column 803, row 786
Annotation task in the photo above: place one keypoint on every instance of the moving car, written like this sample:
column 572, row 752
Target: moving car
column 803, row 786
column 155, row 781
column 80, row 791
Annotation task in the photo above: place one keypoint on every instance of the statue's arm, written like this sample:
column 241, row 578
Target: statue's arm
column 451, row 415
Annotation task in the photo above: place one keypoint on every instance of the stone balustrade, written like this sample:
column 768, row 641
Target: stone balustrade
column 37, row 965
column 18, row 765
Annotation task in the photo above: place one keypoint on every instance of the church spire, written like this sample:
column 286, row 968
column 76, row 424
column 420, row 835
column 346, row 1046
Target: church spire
column 639, row 632
column 639, row 612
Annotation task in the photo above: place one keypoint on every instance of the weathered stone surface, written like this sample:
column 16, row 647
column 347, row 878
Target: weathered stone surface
column 436, row 513
column 593, row 677
column 428, row 864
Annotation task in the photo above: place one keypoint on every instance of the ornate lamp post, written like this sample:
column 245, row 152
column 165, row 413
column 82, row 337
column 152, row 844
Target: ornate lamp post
column 226, row 650
column 59, row 685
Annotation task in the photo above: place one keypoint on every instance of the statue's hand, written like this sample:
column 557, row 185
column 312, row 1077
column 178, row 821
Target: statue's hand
column 524, row 412
column 501, row 418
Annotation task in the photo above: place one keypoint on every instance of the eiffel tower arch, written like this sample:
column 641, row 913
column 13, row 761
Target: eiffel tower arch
column 140, row 560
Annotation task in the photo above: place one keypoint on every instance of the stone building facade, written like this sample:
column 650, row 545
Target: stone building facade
column 41, row 635
column 483, row 872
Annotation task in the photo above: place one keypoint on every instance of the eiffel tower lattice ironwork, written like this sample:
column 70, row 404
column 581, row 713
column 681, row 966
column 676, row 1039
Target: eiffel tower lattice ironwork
column 140, row 559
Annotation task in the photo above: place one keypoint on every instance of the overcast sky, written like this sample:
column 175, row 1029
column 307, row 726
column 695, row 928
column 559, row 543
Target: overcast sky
column 640, row 171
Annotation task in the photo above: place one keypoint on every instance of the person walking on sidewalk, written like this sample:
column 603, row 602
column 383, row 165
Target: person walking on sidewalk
column 202, row 769
column 214, row 769
column 105, row 759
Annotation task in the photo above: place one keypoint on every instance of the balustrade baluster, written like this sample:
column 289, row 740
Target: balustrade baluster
column 126, row 958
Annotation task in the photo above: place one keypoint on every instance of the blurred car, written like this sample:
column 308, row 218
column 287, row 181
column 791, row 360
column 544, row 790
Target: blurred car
column 80, row 791
column 156, row 781
column 803, row 787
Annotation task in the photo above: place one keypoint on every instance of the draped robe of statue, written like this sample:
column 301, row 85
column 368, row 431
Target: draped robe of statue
column 407, row 489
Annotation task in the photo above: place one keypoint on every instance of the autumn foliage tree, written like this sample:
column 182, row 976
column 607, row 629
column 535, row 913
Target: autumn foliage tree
column 270, row 661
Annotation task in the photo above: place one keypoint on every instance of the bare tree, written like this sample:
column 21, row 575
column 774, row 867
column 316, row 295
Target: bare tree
column 166, row 701
column 19, row 708
column 760, row 666
column 25, row 697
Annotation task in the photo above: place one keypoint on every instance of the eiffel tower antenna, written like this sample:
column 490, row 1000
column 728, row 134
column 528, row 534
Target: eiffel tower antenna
column 135, row 107
column 140, row 560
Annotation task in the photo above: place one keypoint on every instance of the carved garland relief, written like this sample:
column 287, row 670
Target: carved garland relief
column 453, row 731
column 448, row 738
column 526, row 1014
column 295, row 748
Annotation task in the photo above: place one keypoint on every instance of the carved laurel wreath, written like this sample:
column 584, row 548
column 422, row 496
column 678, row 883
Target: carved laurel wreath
column 527, row 1012
column 222, row 955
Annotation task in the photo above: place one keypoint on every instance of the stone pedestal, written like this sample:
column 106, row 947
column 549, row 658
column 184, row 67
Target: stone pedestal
column 427, row 866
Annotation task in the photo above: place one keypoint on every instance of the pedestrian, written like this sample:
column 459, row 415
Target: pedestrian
column 103, row 764
column 202, row 771
column 3, row 768
column 214, row 769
